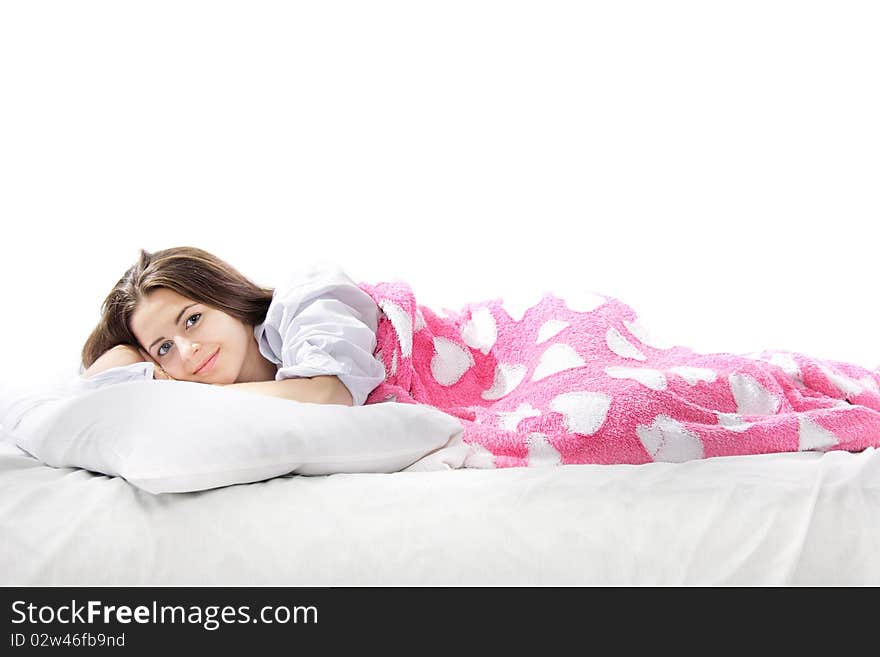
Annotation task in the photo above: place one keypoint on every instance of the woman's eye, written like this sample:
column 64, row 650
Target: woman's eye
column 162, row 351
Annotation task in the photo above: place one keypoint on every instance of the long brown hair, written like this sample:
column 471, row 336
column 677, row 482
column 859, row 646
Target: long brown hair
column 189, row 271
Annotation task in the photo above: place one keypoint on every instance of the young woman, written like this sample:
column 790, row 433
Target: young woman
column 185, row 314
column 572, row 380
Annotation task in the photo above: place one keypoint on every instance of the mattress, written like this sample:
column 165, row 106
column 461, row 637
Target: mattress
column 779, row 519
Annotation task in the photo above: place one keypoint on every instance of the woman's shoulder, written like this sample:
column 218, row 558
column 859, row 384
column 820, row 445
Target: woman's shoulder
column 314, row 276
column 320, row 280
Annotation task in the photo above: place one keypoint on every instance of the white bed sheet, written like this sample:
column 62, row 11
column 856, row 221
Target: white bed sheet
column 781, row 519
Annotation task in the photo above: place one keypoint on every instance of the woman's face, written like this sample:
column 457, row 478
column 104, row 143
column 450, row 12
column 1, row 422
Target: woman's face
column 192, row 341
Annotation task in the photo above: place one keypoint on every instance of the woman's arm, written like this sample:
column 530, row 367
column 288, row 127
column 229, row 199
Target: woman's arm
column 118, row 356
column 317, row 389
column 123, row 354
column 326, row 389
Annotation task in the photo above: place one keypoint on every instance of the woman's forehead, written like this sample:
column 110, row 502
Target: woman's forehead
column 158, row 309
column 164, row 294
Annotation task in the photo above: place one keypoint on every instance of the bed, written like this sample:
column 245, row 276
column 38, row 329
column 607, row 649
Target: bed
column 806, row 514
column 775, row 519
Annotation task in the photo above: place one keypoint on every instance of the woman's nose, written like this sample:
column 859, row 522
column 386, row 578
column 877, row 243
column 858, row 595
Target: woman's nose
column 188, row 348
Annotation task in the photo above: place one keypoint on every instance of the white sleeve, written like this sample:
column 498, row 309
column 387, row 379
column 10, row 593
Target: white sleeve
column 142, row 371
column 323, row 323
column 16, row 401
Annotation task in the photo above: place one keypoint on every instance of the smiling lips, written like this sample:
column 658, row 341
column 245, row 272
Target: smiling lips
column 208, row 364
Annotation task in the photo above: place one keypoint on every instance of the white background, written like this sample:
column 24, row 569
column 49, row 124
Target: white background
column 713, row 164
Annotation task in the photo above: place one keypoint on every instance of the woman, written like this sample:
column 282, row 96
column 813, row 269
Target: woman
column 185, row 314
column 573, row 380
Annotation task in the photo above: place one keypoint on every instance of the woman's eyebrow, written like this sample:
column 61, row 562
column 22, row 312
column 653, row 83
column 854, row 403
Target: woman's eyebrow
column 176, row 322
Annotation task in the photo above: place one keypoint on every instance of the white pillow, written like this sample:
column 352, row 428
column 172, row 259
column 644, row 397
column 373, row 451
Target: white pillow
column 178, row 436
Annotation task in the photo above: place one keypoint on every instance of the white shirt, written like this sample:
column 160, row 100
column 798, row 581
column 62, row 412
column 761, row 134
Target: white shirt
column 320, row 322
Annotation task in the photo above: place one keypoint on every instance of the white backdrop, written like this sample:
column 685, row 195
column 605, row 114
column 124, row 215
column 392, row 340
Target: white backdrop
column 713, row 164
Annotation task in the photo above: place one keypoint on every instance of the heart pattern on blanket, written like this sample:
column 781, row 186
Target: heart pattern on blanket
column 380, row 357
column 870, row 384
column 667, row 440
column 621, row 346
column 480, row 331
column 420, row 321
column 516, row 307
column 507, row 377
column 751, row 397
column 402, row 325
column 653, row 379
column 694, row 374
column 555, row 359
column 450, row 361
column 843, row 383
column 812, row 437
column 580, row 300
column 589, row 384
column 732, row 421
column 541, row 452
column 509, row 420
column 583, row 412
column 644, row 335
column 549, row 329
column 788, row 365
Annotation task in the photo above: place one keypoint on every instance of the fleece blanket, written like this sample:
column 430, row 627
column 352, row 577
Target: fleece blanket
column 581, row 381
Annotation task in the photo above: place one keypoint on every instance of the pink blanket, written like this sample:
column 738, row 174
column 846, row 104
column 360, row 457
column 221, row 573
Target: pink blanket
column 581, row 382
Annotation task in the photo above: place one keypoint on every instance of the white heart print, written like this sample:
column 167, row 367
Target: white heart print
column 541, row 452
column 812, row 436
column 667, row 440
column 450, row 361
column 507, row 377
column 751, row 397
column 402, row 324
column 550, row 328
column 583, row 412
column 653, row 379
column 480, row 331
column 556, row 358
column 621, row 346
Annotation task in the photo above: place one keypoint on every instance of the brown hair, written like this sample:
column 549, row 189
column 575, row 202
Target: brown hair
column 192, row 273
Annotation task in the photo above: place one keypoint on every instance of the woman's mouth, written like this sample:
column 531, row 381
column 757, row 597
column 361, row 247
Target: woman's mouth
column 208, row 365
